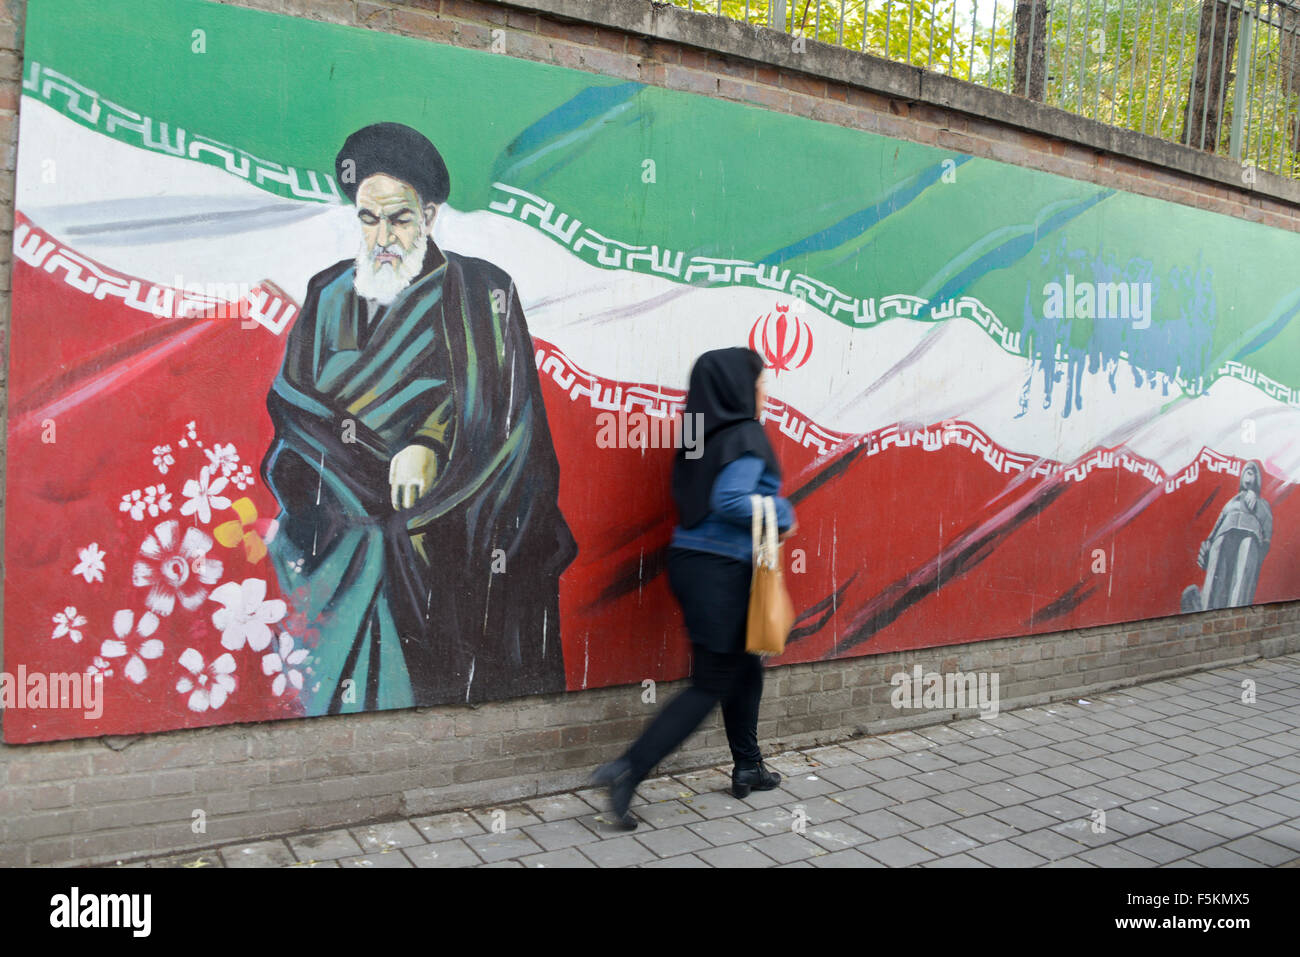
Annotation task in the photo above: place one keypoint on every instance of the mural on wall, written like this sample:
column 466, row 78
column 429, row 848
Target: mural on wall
column 334, row 391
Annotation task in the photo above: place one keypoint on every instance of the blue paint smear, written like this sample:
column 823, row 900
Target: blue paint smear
column 566, row 119
column 854, row 225
column 1177, row 343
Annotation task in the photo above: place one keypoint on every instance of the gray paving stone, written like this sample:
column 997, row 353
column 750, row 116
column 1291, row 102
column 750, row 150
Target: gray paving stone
column 926, row 761
column 724, row 830
column 1216, row 822
column 1021, row 817
column 942, row 781
column 1248, row 782
column 1219, row 762
column 941, row 840
column 672, row 841
column 1252, row 813
column 1189, row 836
column 960, row 753
column 1112, row 856
column 942, row 734
column 1129, row 788
column 882, row 824
column 377, row 859
column 1133, row 736
column 1188, row 801
column 558, row 807
column 904, row 789
column 1153, row 848
column 381, row 837
column 980, row 773
column 1013, row 764
column 711, row 779
column 847, row 857
column 984, row 828
column 865, row 799
column 925, row 812
column 1006, row 854
column 1046, row 757
column 258, row 854
column 1084, row 831
column 327, row 846
column 1060, row 807
column 832, row 756
column 1070, row 862
column 808, row 785
column 1048, row 844
column 1284, row 835
column 907, row 741
column 564, row 857
column 836, row 835
column 668, row 814
column 436, row 828
column 507, row 845
column 511, row 815
column 735, row 855
column 1094, row 796
column 964, row 802
column 1161, row 779
column 453, row 853
column 682, row 860
column 617, row 852
column 1220, row 792
column 1038, row 785
column 897, row 852
column 1135, row 760
column 554, row 835
column 871, row 748
column 886, row 769
column 787, row 847
column 1003, row 794
column 1223, row 857
column 955, row 860
column 1159, row 810
column 997, row 746
column 1280, row 776
column 721, row 803
column 848, row 776
column 1262, row 850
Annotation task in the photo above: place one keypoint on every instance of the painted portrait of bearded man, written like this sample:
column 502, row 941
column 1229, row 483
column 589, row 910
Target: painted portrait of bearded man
column 412, row 460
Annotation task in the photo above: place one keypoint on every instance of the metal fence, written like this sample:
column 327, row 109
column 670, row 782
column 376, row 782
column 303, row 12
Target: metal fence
column 1218, row 75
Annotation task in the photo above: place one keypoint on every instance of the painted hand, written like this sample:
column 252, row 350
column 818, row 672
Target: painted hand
column 410, row 474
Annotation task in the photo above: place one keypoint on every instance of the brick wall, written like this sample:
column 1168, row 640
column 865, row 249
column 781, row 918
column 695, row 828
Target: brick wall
column 116, row 798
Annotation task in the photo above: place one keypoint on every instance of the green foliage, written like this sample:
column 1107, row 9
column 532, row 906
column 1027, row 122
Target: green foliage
column 1128, row 63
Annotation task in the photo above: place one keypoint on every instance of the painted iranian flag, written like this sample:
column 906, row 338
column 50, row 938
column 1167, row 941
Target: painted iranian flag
column 978, row 442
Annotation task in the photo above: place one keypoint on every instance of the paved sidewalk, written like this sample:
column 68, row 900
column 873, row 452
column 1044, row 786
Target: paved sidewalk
column 1186, row 774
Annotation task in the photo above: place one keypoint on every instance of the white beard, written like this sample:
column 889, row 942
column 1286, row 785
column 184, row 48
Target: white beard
column 384, row 283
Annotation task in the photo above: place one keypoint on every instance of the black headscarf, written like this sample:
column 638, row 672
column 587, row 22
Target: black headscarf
column 722, row 390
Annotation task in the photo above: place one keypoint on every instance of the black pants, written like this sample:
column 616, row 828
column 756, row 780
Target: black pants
column 714, row 594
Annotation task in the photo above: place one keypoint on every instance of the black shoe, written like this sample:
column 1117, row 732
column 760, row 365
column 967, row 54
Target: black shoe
column 619, row 781
column 754, row 777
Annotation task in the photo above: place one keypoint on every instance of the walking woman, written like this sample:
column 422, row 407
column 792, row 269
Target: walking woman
column 709, row 571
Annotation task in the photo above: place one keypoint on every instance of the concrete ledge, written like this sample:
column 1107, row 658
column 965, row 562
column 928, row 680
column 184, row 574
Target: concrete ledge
column 912, row 84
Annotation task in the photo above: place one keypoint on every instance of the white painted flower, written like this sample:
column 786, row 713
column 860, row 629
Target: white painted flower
column 208, row 685
column 91, row 566
column 67, row 622
column 154, row 499
column 246, row 616
column 140, row 647
column 223, row 457
column 282, row 664
column 162, row 458
column 243, row 478
column 204, row 494
column 175, row 567
column 100, row 668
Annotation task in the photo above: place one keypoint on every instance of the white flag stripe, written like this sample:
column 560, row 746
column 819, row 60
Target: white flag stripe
column 159, row 218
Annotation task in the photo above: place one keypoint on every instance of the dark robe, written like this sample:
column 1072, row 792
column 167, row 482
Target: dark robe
column 456, row 598
column 1234, row 553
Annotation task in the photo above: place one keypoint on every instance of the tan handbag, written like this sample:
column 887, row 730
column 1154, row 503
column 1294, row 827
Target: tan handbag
column 771, row 612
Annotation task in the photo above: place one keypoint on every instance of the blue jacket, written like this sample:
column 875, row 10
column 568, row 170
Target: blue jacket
column 727, row 529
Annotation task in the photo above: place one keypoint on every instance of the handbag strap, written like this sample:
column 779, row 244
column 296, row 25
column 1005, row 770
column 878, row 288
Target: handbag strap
column 769, row 513
column 756, row 528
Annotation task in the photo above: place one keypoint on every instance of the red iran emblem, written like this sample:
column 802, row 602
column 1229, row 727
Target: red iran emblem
column 785, row 347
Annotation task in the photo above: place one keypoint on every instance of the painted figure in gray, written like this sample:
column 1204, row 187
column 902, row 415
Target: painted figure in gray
column 1235, row 550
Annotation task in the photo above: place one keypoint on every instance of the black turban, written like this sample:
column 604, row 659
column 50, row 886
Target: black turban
column 397, row 151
